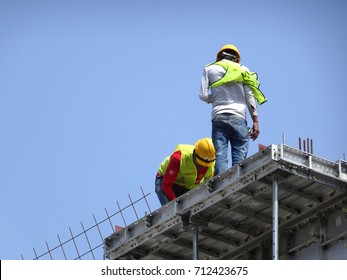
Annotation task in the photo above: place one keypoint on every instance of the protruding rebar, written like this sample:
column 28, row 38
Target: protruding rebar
column 96, row 226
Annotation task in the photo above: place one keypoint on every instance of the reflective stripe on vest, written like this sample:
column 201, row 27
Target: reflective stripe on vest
column 235, row 73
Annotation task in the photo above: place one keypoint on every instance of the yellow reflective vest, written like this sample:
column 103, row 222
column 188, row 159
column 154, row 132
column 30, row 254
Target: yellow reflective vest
column 235, row 73
column 187, row 174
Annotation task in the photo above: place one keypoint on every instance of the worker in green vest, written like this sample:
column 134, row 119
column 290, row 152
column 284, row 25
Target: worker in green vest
column 187, row 167
column 231, row 88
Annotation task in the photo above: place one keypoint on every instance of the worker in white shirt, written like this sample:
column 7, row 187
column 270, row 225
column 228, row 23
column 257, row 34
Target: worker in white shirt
column 231, row 87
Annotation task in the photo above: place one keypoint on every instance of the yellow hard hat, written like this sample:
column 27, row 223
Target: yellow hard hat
column 229, row 47
column 205, row 154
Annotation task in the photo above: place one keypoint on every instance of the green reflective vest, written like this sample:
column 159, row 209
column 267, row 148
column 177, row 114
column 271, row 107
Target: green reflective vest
column 187, row 174
column 235, row 73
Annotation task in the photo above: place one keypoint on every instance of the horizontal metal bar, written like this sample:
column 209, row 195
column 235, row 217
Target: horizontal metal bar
column 334, row 240
column 304, row 245
column 115, row 248
column 309, row 163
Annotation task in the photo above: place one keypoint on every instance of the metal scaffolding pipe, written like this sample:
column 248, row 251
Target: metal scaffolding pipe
column 195, row 242
column 274, row 219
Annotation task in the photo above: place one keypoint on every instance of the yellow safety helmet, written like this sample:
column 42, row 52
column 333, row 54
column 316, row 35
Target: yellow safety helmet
column 205, row 153
column 229, row 47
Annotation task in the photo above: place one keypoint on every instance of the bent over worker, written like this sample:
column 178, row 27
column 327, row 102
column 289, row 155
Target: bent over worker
column 231, row 88
column 187, row 167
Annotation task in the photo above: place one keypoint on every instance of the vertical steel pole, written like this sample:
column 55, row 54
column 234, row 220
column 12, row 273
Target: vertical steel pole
column 274, row 219
column 195, row 242
column 283, row 137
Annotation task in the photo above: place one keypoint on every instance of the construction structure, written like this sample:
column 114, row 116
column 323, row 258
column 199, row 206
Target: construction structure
column 280, row 203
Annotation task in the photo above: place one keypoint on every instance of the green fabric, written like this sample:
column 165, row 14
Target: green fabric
column 187, row 174
column 235, row 73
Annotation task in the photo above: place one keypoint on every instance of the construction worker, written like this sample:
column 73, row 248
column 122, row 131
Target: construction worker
column 231, row 87
column 187, row 167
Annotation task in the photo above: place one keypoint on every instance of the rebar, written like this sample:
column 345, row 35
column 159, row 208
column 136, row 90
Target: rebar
column 82, row 252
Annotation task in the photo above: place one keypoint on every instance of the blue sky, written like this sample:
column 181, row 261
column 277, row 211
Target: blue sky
column 95, row 94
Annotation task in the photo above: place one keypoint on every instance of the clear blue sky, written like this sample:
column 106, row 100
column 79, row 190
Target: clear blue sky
column 94, row 94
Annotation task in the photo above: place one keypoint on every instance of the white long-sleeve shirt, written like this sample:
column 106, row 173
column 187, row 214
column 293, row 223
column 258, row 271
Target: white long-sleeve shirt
column 232, row 98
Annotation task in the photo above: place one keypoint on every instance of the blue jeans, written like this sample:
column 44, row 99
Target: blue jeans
column 229, row 128
column 159, row 191
column 178, row 190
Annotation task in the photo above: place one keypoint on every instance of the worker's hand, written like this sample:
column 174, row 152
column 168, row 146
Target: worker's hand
column 255, row 131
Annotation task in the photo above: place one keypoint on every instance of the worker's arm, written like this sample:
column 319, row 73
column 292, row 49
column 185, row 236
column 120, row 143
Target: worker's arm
column 252, row 108
column 204, row 87
column 171, row 175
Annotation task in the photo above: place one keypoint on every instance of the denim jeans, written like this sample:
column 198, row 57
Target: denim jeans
column 229, row 128
column 159, row 191
column 178, row 190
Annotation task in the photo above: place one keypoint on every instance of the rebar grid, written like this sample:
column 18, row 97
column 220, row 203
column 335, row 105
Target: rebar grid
column 88, row 251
